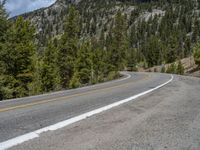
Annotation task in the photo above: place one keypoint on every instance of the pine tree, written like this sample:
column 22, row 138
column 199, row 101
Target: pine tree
column 196, row 30
column 132, row 60
column 16, row 59
column 119, row 42
column 67, row 52
column 84, row 65
column 3, row 33
column 48, row 70
column 4, row 23
column 101, row 65
column 102, row 68
column 6, row 82
column 153, row 52
column 75, row 81
column 171, row 54
column 196, row 54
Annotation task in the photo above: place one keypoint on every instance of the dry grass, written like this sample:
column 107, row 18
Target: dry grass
column 188, row 63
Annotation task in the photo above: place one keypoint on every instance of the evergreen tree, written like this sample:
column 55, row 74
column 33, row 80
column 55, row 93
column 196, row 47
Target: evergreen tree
column 6, row 82
column 119, row 42
column 153, row 52
column 67, row 53
column 4, row 23
column 171, row 54
column 84, row 65
column 75, row 81
column 101, row 65
column 17, row 59
column 196, row 54
column 48, row 71
column 132, row 60
column 36, row 86
column 102, row 68
column 3, row 32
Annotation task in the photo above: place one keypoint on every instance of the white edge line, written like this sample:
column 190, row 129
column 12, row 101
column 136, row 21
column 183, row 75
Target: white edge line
column 35, row 134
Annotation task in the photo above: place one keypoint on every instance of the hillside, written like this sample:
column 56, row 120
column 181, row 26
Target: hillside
column 190, row 68
column 97, row 17
column 81, row 42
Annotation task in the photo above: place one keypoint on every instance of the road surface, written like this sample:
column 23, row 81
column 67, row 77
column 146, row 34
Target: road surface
column 165, row 114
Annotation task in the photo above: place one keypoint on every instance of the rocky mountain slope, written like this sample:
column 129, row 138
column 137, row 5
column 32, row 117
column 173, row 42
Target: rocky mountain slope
column 175, row 23
column 96, row 16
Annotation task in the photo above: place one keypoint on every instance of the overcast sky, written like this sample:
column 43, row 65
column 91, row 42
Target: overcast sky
column 16, row 7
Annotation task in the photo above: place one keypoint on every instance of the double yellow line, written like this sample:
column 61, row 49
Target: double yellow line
column 67, row 97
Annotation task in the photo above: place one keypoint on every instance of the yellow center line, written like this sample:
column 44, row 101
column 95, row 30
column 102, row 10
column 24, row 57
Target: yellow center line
column 67, row 97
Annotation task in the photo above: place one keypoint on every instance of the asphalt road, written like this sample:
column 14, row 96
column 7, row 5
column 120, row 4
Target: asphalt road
column 167, row 118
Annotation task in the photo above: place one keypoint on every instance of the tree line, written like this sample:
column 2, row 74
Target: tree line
column 158, row 32
column 71, row 60
column 68, row 61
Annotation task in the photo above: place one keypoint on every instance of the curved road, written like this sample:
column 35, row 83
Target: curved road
column 45, row 121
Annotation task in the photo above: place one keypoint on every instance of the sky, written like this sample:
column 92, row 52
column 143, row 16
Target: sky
column 16, row 7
